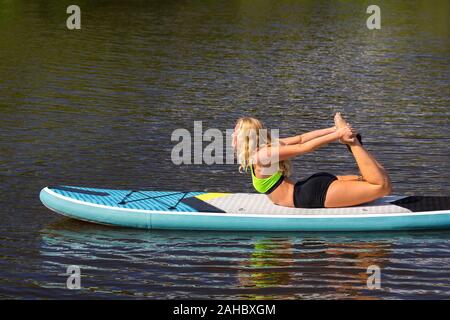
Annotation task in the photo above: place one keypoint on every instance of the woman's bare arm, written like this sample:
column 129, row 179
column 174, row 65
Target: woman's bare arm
column 305, row 137
column 308, row 136
column 267, row 155
column 291, row 140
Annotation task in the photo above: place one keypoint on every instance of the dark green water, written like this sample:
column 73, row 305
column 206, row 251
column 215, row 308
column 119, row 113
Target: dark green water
column 97, row 107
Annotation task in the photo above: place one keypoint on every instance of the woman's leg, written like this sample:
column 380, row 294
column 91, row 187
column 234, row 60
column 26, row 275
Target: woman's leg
column 371, row 170
column 350, row 178
column 375, row 184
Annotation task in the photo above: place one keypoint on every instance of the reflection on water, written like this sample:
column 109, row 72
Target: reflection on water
column 183, row 264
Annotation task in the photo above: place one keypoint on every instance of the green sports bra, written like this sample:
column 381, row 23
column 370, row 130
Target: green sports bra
column 269, row 184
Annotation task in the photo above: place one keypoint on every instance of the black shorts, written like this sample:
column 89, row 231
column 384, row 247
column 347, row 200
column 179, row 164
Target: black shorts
column 311, row 192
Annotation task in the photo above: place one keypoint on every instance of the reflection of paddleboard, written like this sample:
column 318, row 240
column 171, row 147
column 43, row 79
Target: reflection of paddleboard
column 240, row 211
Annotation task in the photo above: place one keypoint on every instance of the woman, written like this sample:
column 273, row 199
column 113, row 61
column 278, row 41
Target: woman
column 321, row 190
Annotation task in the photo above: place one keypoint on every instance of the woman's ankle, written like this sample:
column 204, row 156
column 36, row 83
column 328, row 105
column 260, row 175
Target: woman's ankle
column 357, row 141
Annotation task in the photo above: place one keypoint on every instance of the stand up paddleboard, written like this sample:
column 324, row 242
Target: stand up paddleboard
column 240, row 211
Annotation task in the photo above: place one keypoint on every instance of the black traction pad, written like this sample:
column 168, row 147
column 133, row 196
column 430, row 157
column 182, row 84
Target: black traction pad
column 201, row 205
column 424, row 203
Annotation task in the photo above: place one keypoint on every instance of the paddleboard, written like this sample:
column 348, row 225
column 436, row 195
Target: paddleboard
column 240, row 211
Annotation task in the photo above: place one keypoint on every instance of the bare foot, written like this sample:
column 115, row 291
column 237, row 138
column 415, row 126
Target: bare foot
column 340, row 123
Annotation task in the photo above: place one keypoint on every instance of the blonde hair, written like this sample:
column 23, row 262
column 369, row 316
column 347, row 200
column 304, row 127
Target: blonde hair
column 250, row 140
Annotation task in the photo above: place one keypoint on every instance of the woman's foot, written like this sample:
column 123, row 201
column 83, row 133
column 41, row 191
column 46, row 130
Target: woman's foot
column 340, row 122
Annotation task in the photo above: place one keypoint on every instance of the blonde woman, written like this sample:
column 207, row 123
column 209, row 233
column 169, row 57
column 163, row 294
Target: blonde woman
column 320, row 190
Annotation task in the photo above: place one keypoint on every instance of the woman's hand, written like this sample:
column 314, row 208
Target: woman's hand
column 346, row 134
